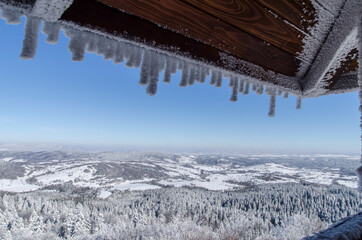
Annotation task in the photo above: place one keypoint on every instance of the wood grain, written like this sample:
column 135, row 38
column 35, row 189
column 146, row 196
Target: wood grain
column 255, row 19
column 300, row 13
column 97, row 16
column 193, row 23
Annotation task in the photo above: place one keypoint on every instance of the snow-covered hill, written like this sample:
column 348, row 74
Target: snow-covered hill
column 28, row 171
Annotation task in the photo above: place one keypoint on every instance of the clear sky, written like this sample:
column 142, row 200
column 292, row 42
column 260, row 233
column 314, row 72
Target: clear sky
column 53, row 100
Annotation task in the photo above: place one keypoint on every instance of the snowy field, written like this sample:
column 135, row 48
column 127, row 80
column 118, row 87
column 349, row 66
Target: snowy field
column 29, row 171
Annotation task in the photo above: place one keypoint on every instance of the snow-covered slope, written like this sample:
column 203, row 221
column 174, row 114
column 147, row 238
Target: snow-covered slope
column 27, row 171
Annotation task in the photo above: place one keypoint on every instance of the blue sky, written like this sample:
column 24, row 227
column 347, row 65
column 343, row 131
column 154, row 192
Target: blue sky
column 53, row 100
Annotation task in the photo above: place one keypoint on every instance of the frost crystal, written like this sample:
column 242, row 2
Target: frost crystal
column 11, row 16
column 50, row 10
column 77, row 44
column 51, row 30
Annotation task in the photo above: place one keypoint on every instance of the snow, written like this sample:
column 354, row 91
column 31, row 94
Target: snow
column 134, row 186
column 104, row 194
column 340, row 41
column 50, row 10
column 11, row 16
column 352, row 183
column 6, row 159
column 17, row 185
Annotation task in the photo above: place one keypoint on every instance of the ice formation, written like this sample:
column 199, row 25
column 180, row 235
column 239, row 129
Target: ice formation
column 150, row 61
column 11, row 16
column 299, row 103
column 30, row 42
column 51, row 30
column 50, row 10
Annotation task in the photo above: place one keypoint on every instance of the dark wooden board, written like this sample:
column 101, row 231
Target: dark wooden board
column 193, row 23
column 300, row 13
column 255, row 19
column 97, row 16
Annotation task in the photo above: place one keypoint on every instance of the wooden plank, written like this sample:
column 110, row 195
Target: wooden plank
column 97, row 16
column 255, row 19
column 300, row 13
column 347, row 65
column 191, row 22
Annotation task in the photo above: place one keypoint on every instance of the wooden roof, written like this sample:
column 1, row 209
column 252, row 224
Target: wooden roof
column 289, row 38
column 265, row 33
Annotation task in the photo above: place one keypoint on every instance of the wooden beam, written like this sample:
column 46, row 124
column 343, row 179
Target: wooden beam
column 300, row 13
column 347, row 65
column 193, row 23
column 333, row 44
column 254, row 19
column 97, row 16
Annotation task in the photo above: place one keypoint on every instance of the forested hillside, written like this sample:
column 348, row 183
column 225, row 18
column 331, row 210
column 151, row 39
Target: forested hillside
column 286, row 211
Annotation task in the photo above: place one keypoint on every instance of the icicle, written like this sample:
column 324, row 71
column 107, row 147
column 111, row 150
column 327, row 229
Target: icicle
column 179, row 64
column 118, row 54
column 260, row 89
column 299, row 103
column 246, row 88
column 285, row 95
column 173, row 65
column 218, row 79
column 77, row 44
column 231, row 81
column 359, row 36
column 213, row 78
column 135, row 57
column 92, row 43
column 145, row 68
column 167, row 73
column 241, row 86
column 254, row 87
column 272, row 103
column 51, row 30
column 30, row 41
column 11, row 16
column 192, row 74
column 110, row 47
column 198, row 73
column 101, row 46
column 154, row 72
column 184, row 74
column 235, row 85
column 203, row 73
column 161, row 62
